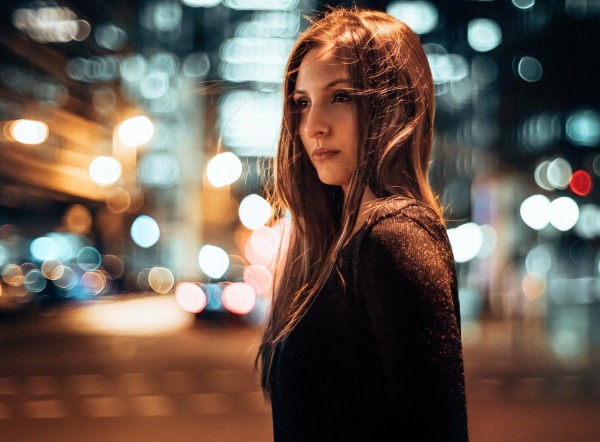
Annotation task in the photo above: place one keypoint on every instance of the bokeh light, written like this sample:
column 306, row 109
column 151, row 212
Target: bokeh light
column 145, row 231
column 539, row 259
column 43, row 248
column 88, row 258
column 280, row 5
column 118, row 200
column 535, row 211
column 559, row 173
column 161, row 279
column 28, row 131
column 564, row 213
column 48, row 23
column 225, row 168
column 239, row 298
column 190, row 297
column 583, row 128
column 67, row 280
column 540, row 175
column 581, row 183
column 94, row 282
column 588, row 223
column 466, row 240
column 523, row 4
column 135, row 131
column 533, row 285
column 262, row 245
column 105, row 170
column 530, row 69
column 201, row 3
column 421, row 16
column 213, row 261
column 113, row 265
column 484, row 34
column 254, row 211
column 77, row 219
column 259, row 277
column 52, row 269
column 34, row 281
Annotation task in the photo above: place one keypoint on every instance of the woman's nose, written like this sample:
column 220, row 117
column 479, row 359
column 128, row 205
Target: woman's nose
column 316, row 124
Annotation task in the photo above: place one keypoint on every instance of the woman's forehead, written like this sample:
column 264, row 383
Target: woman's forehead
column 320, row 64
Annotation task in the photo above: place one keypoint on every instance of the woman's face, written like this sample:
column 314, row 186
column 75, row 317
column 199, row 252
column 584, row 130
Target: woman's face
column 328, row 126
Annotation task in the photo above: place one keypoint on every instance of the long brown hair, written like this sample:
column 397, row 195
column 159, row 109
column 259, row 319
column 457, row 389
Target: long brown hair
column 394, row 99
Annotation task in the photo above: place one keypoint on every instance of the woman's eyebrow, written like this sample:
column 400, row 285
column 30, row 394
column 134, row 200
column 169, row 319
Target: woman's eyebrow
column 331, row 84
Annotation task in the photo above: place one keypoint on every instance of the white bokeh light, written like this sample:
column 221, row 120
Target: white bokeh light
column 105, row 170
column 254, row 211
column 466, row 240
column 135, row 131
column 213, row 261
column 564, row 213
column 484, row 34
column 421, row 16
column 224, row 169
column 559, row 173
column 145, row 231
column 29, row 132
column 535, row 211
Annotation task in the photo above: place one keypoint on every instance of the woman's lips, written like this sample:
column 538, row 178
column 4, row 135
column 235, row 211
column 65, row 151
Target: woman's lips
column 321, row 154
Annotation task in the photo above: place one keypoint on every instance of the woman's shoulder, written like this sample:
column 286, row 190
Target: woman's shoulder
column 403, row 226
column 392, row 211
column 407, row 235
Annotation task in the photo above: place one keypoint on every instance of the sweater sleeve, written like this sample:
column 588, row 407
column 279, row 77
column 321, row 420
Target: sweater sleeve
column 407, row 281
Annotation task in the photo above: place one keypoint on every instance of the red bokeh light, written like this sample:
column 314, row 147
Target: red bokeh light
column 190, row 297
column 581, row 183
column 239, row 298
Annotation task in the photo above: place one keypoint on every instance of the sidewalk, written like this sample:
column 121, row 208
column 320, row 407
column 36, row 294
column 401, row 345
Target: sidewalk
column 492, row 345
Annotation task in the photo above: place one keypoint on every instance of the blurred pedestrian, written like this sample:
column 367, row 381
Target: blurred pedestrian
column 363, row 341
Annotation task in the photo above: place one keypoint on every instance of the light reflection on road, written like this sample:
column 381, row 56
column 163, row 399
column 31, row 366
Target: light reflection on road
column 140, row 316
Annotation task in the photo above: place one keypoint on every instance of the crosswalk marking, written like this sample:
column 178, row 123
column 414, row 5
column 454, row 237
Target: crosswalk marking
column 47, row 408
column 153, row 405
column 211, row 403
column 113, row 395
column 216, row 392
column 104, row 407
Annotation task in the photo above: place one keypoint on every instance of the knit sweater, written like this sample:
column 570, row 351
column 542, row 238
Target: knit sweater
column 378, row 354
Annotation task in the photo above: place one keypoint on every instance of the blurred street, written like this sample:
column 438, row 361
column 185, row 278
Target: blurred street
column 136, row 368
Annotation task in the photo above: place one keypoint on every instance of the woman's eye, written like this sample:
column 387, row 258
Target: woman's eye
column 301, row 103
column 341, row 97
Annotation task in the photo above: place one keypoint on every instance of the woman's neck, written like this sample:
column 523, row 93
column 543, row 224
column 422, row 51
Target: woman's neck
column 365, row 209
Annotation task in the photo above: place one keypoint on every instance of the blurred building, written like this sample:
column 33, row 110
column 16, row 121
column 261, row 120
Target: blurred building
column 134, row 135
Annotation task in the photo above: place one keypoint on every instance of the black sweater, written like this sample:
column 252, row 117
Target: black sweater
column 378, row 354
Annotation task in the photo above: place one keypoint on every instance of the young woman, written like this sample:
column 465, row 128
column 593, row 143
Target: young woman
column 363, row 341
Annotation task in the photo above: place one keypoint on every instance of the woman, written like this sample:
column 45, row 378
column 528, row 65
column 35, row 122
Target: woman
column 363, row 340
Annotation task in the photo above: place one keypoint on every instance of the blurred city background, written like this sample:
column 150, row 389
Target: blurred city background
column 136, row 246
